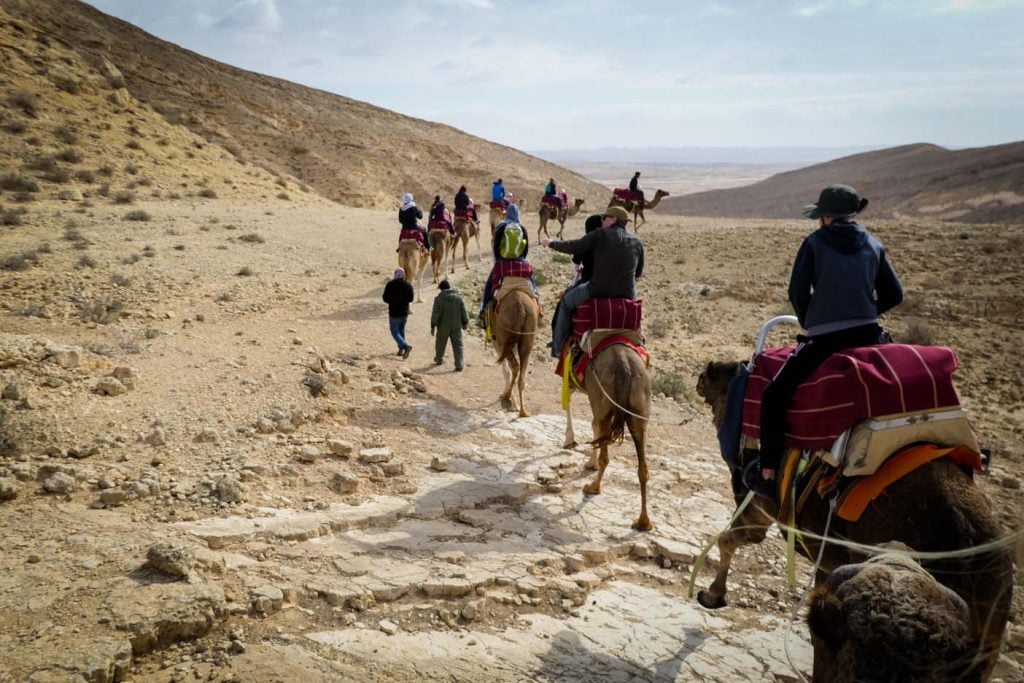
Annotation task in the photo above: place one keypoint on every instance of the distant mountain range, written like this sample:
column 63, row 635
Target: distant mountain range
column 980, row 185
column 784, row 156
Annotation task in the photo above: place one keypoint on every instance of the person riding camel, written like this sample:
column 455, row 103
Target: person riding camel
column 463, row 202
column 409, row 216
column 551, row 193
column 634, row 186
column 841, row 282
column 584, row 266
column 439, row 216
column 497, row 191
column 511, row 245
column 618, row 262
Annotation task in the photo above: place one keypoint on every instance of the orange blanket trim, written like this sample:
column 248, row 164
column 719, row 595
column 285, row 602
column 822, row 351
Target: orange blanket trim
column 860, row 494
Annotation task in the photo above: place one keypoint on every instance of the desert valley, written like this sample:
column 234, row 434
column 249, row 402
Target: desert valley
column 213, row 466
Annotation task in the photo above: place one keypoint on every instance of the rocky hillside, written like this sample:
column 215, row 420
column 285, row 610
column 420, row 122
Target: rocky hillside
column 982, row 185
column 349, row 151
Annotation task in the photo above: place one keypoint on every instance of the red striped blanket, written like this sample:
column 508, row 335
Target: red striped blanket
column 854, row 385
column 611, row 314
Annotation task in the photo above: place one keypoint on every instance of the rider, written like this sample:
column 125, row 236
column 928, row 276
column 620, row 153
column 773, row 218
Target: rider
column 497, row 191
column 463, row 202
column 439, row 214
column 550, row 190
column 618, row 261
column 634, row 185
column 409, row 216
column 841, row 282
column 501, row 263
column 584, row 266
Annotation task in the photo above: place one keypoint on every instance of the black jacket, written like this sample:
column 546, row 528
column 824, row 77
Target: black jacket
column 618, row 260
column 408, row 217
column 398, row 294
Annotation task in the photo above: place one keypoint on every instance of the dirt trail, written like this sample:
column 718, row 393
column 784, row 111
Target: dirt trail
column 399, row 510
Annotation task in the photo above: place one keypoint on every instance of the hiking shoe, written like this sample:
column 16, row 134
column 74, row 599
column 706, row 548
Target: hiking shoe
column 458, row 369
column 437, row 362
column 405, row 351
column 400, row 351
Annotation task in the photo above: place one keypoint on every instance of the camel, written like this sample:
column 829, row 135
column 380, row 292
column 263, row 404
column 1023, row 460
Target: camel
column 464, row 229
column 887, row 619
column 441, row 243
column 495, row 215
column 561, row 215
column 936, row 507
column 514, row 328
column 637, row 208
column 414, row 262
column 619, row 390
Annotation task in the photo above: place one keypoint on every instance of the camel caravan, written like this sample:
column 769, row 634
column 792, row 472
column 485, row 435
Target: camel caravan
column 873, row 480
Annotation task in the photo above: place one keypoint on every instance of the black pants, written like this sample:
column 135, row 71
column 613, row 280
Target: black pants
column 807, row 357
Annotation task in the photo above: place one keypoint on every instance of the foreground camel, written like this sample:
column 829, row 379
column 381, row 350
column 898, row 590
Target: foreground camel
column 514, row 328
column 637, row 208
column 887, row 619
column 464, row 229
column 936, row 507
column 561, row 215
column 440, row 241
column 414, row 262
column 619, row 390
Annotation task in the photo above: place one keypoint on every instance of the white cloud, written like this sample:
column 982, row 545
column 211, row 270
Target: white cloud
column 258, row 15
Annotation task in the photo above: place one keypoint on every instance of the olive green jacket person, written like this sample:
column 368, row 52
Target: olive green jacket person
column 449, row 317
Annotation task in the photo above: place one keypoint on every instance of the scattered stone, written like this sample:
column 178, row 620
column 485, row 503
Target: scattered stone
column 265, row 426
column 113, row 497
column 125, row 375
column 393, row 469
column 207, row 436
column 594, row 553
column 70, row 195
column 13, row 392
column 8, row 488
column 267, row 599
column 388, row 627
column 374, row 455
column 172, row 558
column 59, row 482
column 157, row 437
column 344, row 483
column 340, row 447
column 1010, row 483
column 439, row 465
column 308, row 454
column 447, row 588
column 67, row 359
column 230, row 490
column 236, row 647
column 679, row 552
column 469, row 612
column 109, row 386
column 642, row 550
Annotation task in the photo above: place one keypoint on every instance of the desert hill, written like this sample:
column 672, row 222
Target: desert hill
column 346, row 150
column 981, row 185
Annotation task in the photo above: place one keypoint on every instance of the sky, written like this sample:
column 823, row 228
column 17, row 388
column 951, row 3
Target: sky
column 582, row 74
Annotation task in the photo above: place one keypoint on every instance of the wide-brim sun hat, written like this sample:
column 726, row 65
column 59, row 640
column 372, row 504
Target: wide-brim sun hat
column 836, row 200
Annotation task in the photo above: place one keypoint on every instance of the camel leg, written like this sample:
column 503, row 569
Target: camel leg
column 510, row 376
column 419, row 280
column 570, row 434
column 749, row 528
column 638, row 428
column 591, row 463
column 594, row 487
column 524, row 360
column 465, row 252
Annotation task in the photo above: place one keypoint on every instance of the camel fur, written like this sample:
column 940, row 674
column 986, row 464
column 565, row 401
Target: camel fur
column 441, row 243
column 514, row 327
column 414, row 262
column 937, row 507
column 548, row 212
column 887, row 619
column 619, row 390
column 637, row 208
column 464, row 229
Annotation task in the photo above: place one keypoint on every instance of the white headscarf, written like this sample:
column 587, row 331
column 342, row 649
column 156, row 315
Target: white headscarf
column 407, row 201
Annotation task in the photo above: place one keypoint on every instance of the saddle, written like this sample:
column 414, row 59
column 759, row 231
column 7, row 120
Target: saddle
column 500, row 204
column 414, row 236
column 626, row 195
column 554, row 201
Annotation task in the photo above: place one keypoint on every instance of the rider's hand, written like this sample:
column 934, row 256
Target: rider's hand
column 431, row 331
column 545, row 242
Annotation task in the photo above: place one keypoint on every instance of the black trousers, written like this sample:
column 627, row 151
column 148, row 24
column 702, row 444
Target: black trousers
column 778, row 396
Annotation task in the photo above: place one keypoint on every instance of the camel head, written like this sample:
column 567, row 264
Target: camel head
column 887, row 619
column 578, row 202
column 713, row 384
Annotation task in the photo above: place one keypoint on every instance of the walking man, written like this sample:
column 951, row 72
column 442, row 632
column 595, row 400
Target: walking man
column 447, row 321
column 398, row 294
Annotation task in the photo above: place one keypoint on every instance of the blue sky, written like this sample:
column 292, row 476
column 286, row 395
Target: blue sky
column 594, row 73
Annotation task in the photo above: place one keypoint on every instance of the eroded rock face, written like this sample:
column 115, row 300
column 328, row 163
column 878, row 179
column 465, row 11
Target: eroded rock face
column 163, row 613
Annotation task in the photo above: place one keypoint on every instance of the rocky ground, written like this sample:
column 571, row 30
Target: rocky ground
column 214, row 467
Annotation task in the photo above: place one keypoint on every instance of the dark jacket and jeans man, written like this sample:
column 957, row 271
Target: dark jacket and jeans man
column 398, row 294
column 618, row 262
column 447, row 321
column 841, row 282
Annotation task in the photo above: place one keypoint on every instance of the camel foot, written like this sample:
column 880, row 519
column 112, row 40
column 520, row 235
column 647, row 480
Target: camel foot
column 592, row 489
column 568, row 445
column 523, row 413
column 705, row 599
column 643, row 523
column 507, row 404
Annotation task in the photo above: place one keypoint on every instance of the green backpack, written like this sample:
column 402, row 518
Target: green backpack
column 513, row 242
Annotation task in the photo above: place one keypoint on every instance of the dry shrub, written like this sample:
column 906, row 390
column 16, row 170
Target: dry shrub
column 85, row 262
column 208, row 192
column 252, row 238
column 245, row 271
column 100, row 311
column 16, row 183
column 119, row 280
column 131, row 169
column 658, row 328
column 85, row 176
column 70, row 154
column 15, row 127
column 133, row 144
column 138, row 215
column 67, row 135
column 67, row 84
column 27, row 102
column 124, row 197
column 106, row 170
column 917, row 331
column 12, row 217
column 669, row 383
column 283, row 195
column 18, row 262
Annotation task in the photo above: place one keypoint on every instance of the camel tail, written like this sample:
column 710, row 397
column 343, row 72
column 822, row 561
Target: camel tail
column 625, row 393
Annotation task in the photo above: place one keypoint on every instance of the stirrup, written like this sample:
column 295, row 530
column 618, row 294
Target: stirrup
column 753, row 480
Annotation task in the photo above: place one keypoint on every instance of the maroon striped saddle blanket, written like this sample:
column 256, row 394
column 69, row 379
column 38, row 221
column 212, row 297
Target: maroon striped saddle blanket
column 854, row 385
